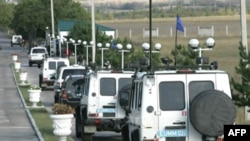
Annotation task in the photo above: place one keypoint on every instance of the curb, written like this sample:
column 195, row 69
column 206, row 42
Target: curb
column 38, row 133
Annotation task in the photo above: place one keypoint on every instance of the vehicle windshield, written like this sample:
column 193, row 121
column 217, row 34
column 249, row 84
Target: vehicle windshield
column 75, row 85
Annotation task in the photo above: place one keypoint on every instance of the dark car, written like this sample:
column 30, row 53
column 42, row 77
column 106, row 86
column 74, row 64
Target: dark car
column 72, row 89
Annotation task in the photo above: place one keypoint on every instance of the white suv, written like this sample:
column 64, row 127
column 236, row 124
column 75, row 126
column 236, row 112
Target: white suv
column 99, row 107
column 47, row 75
column 36, row 55
column 62, row 73
column 183, row 105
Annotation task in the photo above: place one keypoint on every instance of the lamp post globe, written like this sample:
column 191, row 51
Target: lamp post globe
column 210, row 42
column 129, row 46
column 158, row 46
column 194, row 43
column 107, row 45
column 119, row 46
column 145, row 46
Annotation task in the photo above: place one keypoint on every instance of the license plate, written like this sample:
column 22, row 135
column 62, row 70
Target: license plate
column 172, row 133
column 106, row 110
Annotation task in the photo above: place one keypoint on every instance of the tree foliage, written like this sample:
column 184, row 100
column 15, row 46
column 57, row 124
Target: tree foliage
column 6, row 12
column 242, row 88
column 35, row 15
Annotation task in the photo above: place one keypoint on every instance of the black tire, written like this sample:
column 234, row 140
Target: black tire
column 40, row 80
column 56, row 99
column 30, row 64
column 11, row 44
column 78, row 123
column 135, row 135
column 125, row 133
column 85, row 136
column 210, row 111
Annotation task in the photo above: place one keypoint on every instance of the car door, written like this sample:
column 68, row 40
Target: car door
column 172, row 107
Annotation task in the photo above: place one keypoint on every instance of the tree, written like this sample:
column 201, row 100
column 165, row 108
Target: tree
column 32, row 16
column 6, row 12
column 184, row 56
column 242, row 87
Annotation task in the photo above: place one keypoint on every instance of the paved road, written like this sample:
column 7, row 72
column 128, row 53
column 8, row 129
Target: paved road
column 14, row 122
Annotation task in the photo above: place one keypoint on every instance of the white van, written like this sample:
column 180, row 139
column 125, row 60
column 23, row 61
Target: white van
column 177, row 105
column 100, row 110
column 47, row 75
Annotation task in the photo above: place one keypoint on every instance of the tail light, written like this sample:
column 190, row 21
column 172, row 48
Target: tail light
column 64, row 94
column 97, row 121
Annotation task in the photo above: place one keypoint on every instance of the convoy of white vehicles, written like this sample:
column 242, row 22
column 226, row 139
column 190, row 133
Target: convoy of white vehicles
column 172, row 104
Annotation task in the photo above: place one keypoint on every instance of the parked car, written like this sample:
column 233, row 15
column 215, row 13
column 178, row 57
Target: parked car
column 72, row 89
column 47, row 75
column 62, row 73
column 37, row 55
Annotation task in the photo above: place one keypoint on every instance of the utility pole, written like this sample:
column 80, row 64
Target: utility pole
column 243, row 24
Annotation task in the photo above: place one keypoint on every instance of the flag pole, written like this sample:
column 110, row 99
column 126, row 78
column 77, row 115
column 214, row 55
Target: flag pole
column 175, row 46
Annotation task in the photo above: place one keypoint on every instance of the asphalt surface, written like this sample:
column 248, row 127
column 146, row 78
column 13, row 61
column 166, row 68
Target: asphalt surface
column 15, row 123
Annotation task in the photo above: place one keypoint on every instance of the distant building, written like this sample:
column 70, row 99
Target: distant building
column 64, row 27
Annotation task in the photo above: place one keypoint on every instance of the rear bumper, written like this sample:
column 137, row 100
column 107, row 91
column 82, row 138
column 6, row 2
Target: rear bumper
column 36, row 61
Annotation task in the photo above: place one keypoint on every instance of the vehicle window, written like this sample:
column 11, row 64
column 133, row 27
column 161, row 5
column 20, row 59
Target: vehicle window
column 195, row 87
column 124, row 81
column 52, row 65
column 60, row 63
column 171, row 96
column 73, row 72
column 75, row 85
column 38, row 50
column 108, row 86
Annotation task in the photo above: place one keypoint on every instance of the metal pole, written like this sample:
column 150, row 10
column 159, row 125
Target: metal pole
column 102, row 57
column 93, row 31
column 67, row 51
column 243, row 25
column 75, row 54
column 122, row 58
column 87, row 55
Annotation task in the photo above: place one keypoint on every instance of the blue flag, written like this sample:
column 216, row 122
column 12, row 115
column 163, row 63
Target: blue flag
column 113, row 46
column 179, row 25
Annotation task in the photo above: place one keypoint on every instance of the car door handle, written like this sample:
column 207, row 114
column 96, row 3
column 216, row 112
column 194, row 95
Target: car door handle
column 180, row 122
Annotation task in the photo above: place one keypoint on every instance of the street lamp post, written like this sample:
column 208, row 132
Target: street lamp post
column 67, row 46
column 194, row 44
column 99, row 45
column 75, row 44
column 87, row 50
column 119, row 46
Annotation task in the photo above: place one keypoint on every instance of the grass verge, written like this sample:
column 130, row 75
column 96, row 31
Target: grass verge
column 40, row 115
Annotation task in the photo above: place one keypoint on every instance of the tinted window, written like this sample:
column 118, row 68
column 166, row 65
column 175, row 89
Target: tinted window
column 52, row 65
column 60, row 63
column 67, row 72
column 124, row 81
column 38, row 50
column 196, row 87
column 75, row 85
column 108, row 86
column 172, row 96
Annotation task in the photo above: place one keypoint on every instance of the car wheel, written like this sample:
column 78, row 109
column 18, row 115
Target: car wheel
column 125, row 133
column 30, row 64
column 210, row 111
